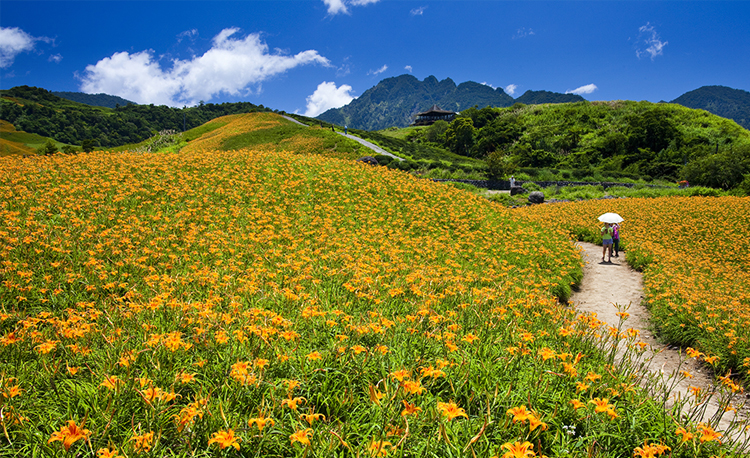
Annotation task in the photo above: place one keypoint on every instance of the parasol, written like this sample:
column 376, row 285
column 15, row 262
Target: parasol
column 612, row 218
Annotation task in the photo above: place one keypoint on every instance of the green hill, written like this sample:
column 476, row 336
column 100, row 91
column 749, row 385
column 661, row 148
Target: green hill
column 620, row 139
column 95, row 100
column 38, row 111
column 720, row 100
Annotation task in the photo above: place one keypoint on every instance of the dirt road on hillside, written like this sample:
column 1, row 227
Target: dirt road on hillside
column 606, row 284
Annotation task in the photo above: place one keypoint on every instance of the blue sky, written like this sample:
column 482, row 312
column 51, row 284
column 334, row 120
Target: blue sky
column 310, row 55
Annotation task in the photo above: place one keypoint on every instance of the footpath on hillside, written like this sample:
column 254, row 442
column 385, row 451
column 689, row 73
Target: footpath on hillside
column 608, row 284
column 372, row 146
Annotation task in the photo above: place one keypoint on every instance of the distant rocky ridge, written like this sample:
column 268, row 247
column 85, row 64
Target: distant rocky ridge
column 395, row 101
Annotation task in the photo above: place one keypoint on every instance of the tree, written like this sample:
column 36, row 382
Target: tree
column 87, row 146
column 459, row 136
column 500, row 165
column 716, row 171
column 651, row 129
column 47, row 149
column 436, row 132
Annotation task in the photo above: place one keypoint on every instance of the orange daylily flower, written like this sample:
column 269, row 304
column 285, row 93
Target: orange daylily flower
column 302, row 436
column 450, row 410
column 69, row 434
column 225, row 439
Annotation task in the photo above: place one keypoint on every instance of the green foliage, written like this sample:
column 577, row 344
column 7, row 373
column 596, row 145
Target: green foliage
column 96, row 100
column 38, row 111
column 436, row 132
column 590, row 192
column 47, row 149
column 720, row 100
column 635, row 140
column 459, row 136
column 500, row 165
column 722, row 170
column 539, row 97
column 744, row 187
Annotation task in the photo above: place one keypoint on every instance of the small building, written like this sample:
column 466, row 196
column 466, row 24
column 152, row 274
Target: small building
column 428, row 117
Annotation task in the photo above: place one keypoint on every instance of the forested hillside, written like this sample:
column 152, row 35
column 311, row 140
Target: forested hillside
column 636, row 139
column 539, row 97
column 38, row 111
column 95, row 100
column 720, row 100
column 396, row 101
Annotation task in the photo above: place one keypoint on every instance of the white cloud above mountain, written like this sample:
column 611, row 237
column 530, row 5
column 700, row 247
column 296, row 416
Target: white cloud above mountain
column 231, row 66
column 649, row 42
column 378, row 71
column 14, row 41
column 587, row 89
column 510, row 89
column 328, row 96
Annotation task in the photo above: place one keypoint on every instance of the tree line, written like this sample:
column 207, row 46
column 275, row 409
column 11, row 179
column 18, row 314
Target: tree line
column 38, row 111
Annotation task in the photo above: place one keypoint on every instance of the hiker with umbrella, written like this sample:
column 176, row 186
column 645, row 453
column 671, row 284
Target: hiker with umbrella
column 608, row 232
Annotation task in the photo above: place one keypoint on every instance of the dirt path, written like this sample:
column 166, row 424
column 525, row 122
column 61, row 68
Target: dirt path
column 606, row 284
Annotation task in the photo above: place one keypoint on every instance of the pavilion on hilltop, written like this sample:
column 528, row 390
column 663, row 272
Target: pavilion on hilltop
column 433, row 114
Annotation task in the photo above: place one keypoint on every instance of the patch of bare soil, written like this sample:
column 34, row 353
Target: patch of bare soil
column 606, row 285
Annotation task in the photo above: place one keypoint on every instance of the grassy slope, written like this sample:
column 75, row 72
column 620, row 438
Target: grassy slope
column 14, row 142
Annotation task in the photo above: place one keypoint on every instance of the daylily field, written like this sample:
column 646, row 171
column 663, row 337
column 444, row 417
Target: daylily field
column 285, row 300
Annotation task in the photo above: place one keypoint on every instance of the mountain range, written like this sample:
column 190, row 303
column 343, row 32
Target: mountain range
column 396, row 101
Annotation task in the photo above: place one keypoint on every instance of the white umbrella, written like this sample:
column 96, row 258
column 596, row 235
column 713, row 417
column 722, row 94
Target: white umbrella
column 612, row 218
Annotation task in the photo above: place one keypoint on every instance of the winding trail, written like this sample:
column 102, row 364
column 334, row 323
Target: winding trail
column 606, row 285
column 362, row 141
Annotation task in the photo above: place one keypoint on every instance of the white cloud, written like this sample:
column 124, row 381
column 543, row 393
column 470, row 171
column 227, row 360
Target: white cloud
column 510, row 89
column 56, row 58
column 378, row 71
column 649, row 42
column 340, row 6
column 187, row 34
column 336, row 6
column 488, row 84
column 587, row 89
column 230, row 66
column 418, row 11
column 328, row 96
column 523, row 32
column 408, row 68
column 14, row 41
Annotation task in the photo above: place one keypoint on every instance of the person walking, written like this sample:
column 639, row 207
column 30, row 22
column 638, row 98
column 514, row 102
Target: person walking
column 346, row 129
column 607, row 241
column 512, row 181
column 616, row 239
